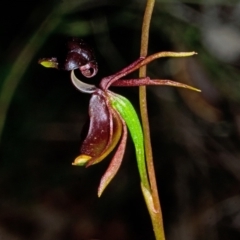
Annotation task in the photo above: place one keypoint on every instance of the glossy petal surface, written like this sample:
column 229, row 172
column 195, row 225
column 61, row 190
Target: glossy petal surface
column 104, row 132
column 114, row 137
column 77, row 55
column 99, row 128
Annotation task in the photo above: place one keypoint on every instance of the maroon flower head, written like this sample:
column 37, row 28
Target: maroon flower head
column 109, row 113
column 77, row 55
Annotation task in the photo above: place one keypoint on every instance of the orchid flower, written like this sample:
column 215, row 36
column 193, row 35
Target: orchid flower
column 110, row 113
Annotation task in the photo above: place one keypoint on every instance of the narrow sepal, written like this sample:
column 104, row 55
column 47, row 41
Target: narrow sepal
column 115, row 162
column 142, row 61
column 147, row 81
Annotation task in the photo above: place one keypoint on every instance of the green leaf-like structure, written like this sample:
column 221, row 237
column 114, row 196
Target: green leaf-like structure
column 128, row 113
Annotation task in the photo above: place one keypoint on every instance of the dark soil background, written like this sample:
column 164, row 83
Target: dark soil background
column 195, row 137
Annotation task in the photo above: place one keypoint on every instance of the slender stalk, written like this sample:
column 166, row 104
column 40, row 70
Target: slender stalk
column 156, row 213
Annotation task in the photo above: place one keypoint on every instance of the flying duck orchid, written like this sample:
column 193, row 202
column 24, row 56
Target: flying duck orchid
column 110, row 113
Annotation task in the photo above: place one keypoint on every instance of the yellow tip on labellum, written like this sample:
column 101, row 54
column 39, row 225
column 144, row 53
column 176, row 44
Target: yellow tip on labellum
column 81, row 160
column 48, row 62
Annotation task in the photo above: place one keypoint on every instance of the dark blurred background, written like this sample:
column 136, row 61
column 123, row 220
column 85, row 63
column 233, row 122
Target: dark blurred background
column 195, row 137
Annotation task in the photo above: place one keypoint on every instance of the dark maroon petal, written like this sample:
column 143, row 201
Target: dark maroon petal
column 80, row 54
column 73, row 61
column 99, row 128
column 81, row 47
column 116, row 127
